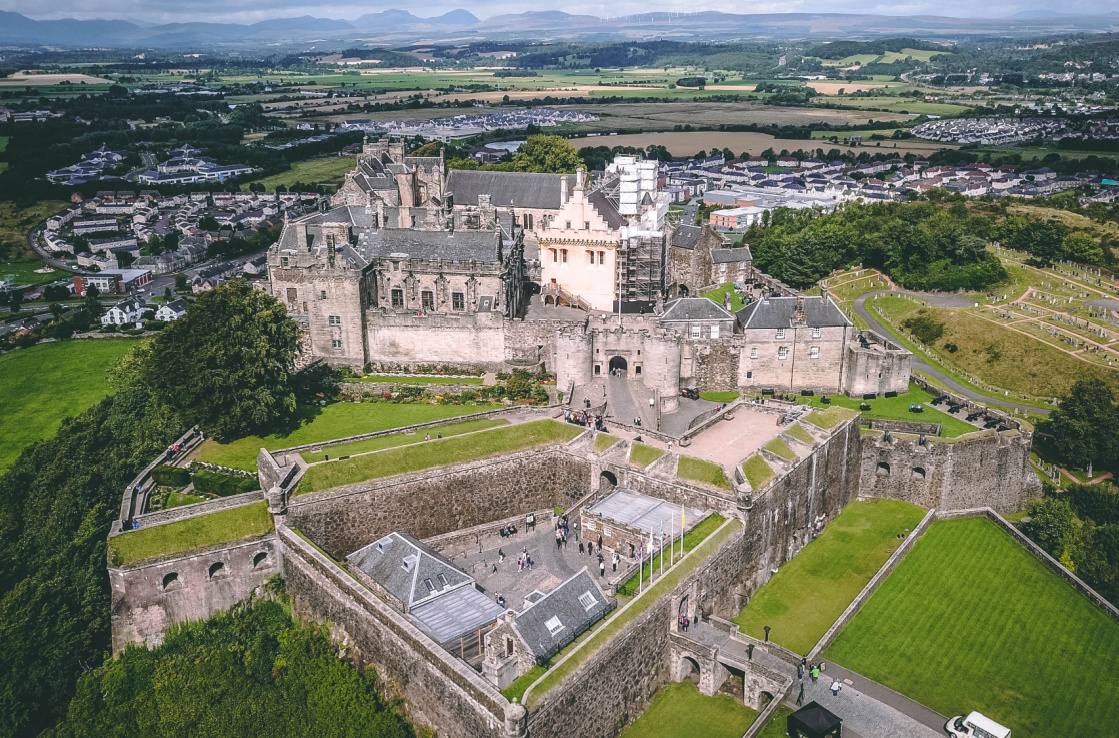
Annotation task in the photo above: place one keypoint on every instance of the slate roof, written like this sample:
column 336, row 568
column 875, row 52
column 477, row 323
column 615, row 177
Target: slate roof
column 563, row 604
column 694, row 308
column 509, row 189
column 731, row 256
column 177, row 306
column 601, row 202
column 408, row 569
column 686, row 237
column 777, row 312
column 452, row 246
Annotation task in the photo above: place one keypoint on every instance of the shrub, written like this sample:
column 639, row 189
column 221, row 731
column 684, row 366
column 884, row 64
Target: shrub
column 924, row 327
column 170, row 476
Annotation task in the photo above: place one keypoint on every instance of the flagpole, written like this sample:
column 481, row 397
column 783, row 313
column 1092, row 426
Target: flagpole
column 683, row 527
column 640, row 562
column 672, row 541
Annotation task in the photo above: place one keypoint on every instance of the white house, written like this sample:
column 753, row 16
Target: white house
column 125, row 311
column 171, row 311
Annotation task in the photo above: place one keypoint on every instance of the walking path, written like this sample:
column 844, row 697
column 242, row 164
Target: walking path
column 942, row 301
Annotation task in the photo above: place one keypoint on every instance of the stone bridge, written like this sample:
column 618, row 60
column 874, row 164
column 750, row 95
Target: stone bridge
column 712, row 655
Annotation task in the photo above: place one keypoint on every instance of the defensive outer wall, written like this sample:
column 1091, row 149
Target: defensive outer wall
column 610, row 688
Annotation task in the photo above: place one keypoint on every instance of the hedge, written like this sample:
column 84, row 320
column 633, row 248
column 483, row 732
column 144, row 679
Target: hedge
column 222, row 485
column 170, row 476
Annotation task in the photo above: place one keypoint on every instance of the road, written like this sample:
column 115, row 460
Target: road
column 943, row 301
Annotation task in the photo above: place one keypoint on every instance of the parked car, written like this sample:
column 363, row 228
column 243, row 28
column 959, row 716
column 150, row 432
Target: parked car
column 975, row 725
column 690, row 392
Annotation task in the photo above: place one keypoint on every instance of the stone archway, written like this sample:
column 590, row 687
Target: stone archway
column 619, row 365
column 689, row 670
column 607, row 480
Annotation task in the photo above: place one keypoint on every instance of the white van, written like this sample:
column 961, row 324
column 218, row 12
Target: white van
column 975, row 725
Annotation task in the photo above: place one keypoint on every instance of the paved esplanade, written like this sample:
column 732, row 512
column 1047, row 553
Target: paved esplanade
column 941, row 301
column 868, row 709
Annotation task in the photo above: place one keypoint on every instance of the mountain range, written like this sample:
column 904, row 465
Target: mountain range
column 401, row 26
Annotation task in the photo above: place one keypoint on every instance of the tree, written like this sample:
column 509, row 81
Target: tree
column 55, row 292
column 225, row 364
column 552, row 154
column 15, row 301
column 56, row 310
column 180, row 282
column 1082, row 248
column 1053, row 525
column 1085, row 427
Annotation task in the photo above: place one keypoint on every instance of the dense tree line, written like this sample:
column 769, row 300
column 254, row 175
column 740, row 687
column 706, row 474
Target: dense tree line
column 245, row 673
column 844, row 49
column 229, row 368
column 920, row 245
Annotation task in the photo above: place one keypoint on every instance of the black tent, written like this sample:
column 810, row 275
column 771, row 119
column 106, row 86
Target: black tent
column 814, row 721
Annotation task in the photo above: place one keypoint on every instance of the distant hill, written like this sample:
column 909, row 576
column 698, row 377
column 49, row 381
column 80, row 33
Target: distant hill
column 394, row 20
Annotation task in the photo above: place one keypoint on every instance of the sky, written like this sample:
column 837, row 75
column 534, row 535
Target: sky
column 250, row 11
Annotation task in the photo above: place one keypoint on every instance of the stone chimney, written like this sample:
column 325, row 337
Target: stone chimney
column 798, row 314
column 727, row 301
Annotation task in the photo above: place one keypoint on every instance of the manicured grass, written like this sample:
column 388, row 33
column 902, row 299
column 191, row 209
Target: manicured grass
column 516, row 691
column 723, row 397
column 797, row 431
column 387, row 378
column 897, row 408
column 680, row 711
column 25, row 273
column 779, row 447
column 692, row 538
column 970, row 620
column 807, row 594
column 604, row 441
column 435, row 453
column 46, row 383
column 400, row 439
column 641, row 455
column 601, row 637
column 717, row 294
column 777, row 724
column 224, row 526
column 829, row 418
column 312, row 171
column 702, row 471
column 338, row 420
column 178, row 499
column 758, row 471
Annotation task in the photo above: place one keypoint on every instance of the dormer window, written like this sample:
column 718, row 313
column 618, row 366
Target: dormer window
column 587, row 600
column 429, row 585
column 409, row 562
column 442, row 579
column 553, row 625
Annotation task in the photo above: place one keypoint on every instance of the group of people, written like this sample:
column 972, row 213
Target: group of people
column 508, row 531
column 561, row 532
column 585, row 419
column 813, row 671
column 684, row 622
column 524, row 559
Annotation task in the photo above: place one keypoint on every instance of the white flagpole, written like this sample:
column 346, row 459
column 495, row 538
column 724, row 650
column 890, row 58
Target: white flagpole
column 651, row 547
column 640, row 563
column 683, row 527
column 672, row 541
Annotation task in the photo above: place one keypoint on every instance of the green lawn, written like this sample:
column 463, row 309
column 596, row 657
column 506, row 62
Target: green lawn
column 897, row 408
column 724, row 397
column 716, row 295
column 702, row 471
column 780, row 448
column 797, row 431
column 777, row 724
column 312, row 171
column 25, row 273
column 225, row 526
column 680, row 711
column 46, row 383
column 806, row 595
column 516, row 690
column 970, row 620
column 831, row 417
column 400, row 439
column 604, row 441
column 434, row 453
column 757, row 470
column 338, row 420
column 641, row 455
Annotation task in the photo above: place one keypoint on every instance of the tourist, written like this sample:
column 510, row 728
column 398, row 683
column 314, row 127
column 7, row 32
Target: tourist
column 815, row 673
column 576, row 526
column 600, row 542
column 427, row 436
column 580, row 547
column 835, row 687
column 685, row 623
column 614, row 563
column 500, row 556
column 590, row 548
column 528, row 560
column 559, row 539
column 800, row 672
column 520, row 563
column 500, row 599
column 601, row 567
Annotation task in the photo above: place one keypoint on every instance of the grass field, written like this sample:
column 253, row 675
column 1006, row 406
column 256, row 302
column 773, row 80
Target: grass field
column 327, row 170
column 338, row 420
column 680, row 711
column 702, row 471
column 46, row 383
column 757, row 471
column 16, row 222
column 603, row 441
column 1000, row 356
column 641, row 455
column 723, row 397
column 807, row 594
column 225, row 526
column 777, row 724
column 717, row 296
column 25, row 272
column 435, row 453
column 401, row 439
column 970, row 620
column 897, row 408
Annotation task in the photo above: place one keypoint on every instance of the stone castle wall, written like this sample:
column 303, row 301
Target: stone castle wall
column 430, row 503
column 467, row 339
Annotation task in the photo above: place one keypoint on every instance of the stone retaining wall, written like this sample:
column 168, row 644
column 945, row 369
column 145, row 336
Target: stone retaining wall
column 170, row 515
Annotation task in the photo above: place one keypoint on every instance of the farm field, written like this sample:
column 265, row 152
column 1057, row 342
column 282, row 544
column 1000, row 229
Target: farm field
column 895, row 104
column 680, row 711
column 338, row 420
column 1013, row 658
column 46, row 383
column 26, row 77
column 325, row 170
column 807, row 594
column 688, row 143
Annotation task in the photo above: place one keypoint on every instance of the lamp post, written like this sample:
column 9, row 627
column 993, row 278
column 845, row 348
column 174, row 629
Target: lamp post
column 767, row 629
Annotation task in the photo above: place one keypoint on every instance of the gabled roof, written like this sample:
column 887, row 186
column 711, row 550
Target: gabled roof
column 561, row 615
column 731, row 256
column 686, row 236
column 694, row 308
column 408, row 569
column 509, row 189
column 777, row 312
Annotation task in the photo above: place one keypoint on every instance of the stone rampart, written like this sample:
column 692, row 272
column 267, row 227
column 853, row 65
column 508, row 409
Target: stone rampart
column 439, row 690
column 903, row 426
column 460, row 543
column 206, row 507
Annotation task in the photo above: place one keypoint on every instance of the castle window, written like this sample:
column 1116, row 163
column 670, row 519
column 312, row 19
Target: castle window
column 261, row 559
column 398, row 298
column 335, row 343
column 555, row 255
column 413, row 221
column 586, row 225
column 508, row 646
column 782, row 353
column 170, row 580
column 601, row 257
column 637, row 369
column 754, row 353
column 815, row 332
column 396, row 266
column 780, row 333
column 814, row 353
column 528, row 221
column 458, row 301
column 217, row 569
column 284, row 261
column 334, row 319
column 568, row 225
column 749, row 375
column 918, row 473
column 427, row 299
column 883, row 469
column 553, row 625
column 563, row 255
column 714, row 331
column 293, row 295
column 696, row 331
column 590, row 258
column 322, row 294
